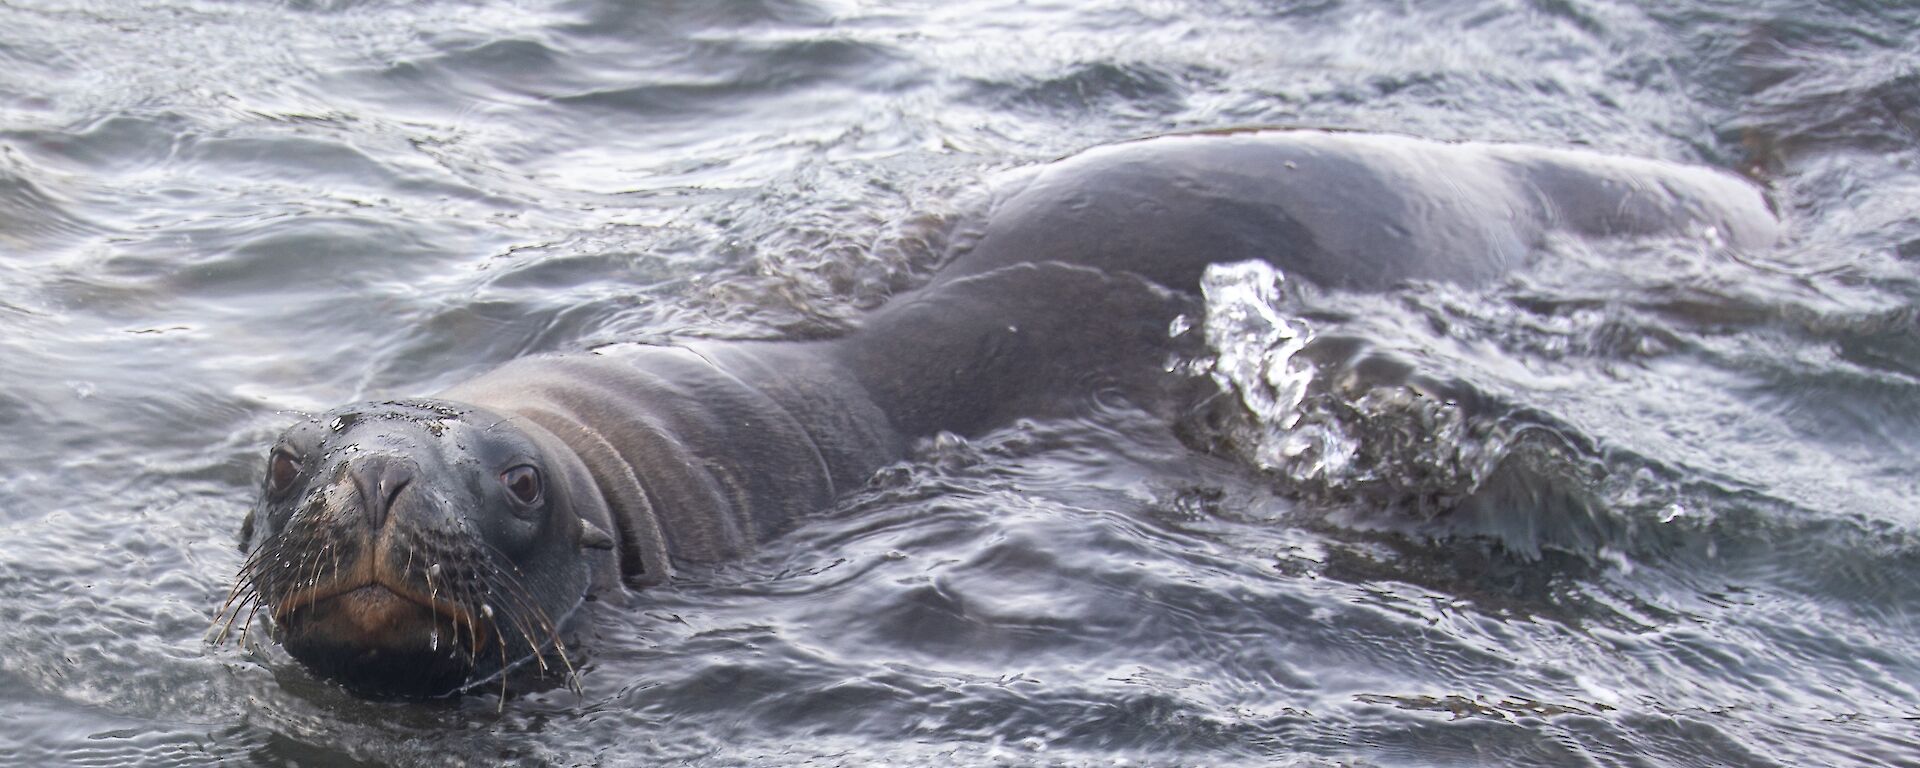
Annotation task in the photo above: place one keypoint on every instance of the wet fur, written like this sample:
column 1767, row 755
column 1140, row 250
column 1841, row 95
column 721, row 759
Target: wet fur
column 1058, row 292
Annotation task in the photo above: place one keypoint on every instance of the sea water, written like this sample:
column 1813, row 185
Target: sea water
column 1642, row 503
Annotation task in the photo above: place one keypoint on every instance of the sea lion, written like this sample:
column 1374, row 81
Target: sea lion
column 420, row 547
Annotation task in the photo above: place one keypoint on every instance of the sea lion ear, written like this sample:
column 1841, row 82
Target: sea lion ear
column 246, row 530
column 591, row 537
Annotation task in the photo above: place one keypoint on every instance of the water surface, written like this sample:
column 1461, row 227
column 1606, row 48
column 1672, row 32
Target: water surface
column 1667, row 519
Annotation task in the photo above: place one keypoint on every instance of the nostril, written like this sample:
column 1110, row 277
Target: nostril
column 380, row 479
column 391, row 484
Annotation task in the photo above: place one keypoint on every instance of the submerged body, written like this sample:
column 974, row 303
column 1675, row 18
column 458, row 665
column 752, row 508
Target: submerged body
column 420, row 546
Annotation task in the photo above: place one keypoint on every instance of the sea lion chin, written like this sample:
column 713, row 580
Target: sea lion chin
column 377, row 642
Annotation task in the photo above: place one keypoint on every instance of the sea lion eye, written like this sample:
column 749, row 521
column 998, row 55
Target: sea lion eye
column 524, row 483
column 282, row 470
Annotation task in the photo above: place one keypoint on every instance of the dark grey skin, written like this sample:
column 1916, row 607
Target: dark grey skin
column 421, row 547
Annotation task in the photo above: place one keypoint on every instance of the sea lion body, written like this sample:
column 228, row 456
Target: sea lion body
column 704, row 449
column 1059, row 291
column 1344, row 210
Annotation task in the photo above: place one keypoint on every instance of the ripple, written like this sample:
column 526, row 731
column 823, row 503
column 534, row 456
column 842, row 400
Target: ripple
column 1635, row 505
column 1091, row 89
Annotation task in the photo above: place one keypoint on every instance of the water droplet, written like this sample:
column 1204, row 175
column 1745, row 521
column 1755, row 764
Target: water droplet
column 433, row 640
column 486, row 610
column 1712, row 235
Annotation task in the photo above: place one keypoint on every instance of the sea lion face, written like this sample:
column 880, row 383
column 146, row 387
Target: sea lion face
column 412, row 548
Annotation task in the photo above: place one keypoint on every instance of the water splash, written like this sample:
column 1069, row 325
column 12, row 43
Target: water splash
column 1335, row 420
column 1375, row 437
column 1256, row 352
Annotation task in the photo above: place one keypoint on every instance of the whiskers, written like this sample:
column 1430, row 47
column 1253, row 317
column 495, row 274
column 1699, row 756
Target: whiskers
column 524, row 612
column 282, row 566
column 244, row 596
column 483, row 618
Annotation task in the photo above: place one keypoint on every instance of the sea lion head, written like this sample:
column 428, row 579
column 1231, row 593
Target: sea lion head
column 416, row 547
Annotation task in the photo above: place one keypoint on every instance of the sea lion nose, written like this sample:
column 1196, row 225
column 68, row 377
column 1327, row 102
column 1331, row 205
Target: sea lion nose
column 379, row 480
